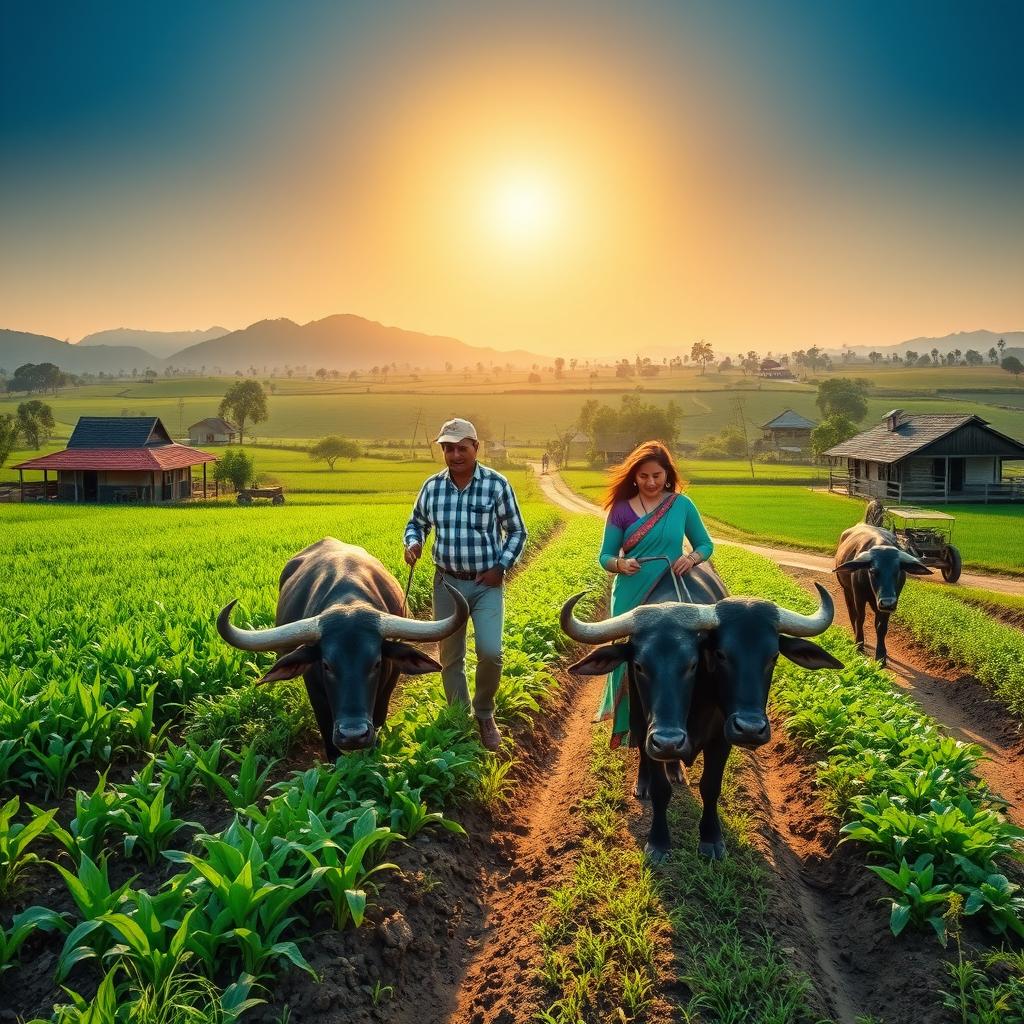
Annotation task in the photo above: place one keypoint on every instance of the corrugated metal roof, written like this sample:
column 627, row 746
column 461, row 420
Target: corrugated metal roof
column 168, row 456
column 118, row 432
column 880, row 444
column 789, row 420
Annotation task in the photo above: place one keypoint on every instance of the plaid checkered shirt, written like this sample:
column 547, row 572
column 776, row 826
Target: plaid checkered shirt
column 469, row 523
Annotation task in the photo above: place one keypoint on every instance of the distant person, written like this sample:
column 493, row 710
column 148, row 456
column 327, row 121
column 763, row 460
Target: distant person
column 479, row 535
column 648, row 516
column 544, row 463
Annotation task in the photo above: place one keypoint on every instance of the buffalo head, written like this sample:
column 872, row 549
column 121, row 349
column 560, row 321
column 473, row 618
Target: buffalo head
column 730, row 646
column 350, row 644
column 885, row 567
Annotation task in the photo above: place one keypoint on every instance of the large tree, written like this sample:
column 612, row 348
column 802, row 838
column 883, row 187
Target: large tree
column 36, row 422
column 37, row 377
column 9, row 433
column 330, row 449
column 1011, row 364
column 829, row 432
column 702, row 353
column 843, row 396
column 235, row 467
column 245, row 400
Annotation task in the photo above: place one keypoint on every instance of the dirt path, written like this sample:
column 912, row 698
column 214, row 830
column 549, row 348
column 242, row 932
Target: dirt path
column 958, row 702
column 539, row 836
column 824, row 905
column 557, row 491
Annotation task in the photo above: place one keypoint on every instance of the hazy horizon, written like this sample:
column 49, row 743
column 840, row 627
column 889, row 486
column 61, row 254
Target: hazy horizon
column 578, row 177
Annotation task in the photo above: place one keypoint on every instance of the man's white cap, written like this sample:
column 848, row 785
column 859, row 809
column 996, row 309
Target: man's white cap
column 456, row 430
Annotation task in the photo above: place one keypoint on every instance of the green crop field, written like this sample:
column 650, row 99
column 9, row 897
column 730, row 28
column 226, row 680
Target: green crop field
column 528, row 413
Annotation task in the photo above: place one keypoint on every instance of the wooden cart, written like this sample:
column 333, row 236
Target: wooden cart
column 928, row 535
column 247, row 495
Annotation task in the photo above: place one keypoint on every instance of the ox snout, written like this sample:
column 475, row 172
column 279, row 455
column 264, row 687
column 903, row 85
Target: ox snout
column 887, row 604
column 748, row 730
column 667, row 744
column 359, row 735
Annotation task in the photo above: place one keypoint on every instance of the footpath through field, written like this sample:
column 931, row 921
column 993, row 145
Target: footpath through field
column 558, row 491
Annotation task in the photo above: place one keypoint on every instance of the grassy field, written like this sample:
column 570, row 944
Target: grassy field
column 525, row 413
column 988, row 535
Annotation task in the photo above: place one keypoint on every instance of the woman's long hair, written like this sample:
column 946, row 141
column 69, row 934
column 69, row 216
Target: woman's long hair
column 622, row 482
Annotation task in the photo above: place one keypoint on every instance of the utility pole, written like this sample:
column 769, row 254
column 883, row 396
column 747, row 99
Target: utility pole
column 737, row 402
column 415, row 430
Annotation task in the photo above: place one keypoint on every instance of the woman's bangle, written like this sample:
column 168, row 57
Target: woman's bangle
column 618, row 565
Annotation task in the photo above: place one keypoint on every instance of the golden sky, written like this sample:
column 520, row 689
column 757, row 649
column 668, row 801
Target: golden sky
column 568, row 184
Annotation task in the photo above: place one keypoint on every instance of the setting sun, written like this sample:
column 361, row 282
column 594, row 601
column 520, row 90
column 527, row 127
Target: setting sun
column 524, row 207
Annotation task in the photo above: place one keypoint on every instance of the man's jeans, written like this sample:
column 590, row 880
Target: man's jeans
column 487, row 610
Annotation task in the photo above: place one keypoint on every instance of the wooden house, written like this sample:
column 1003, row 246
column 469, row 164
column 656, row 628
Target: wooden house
column 120, row 459
column 213, row 430
column 935, row 457
column 770, row 369
column 788, row 434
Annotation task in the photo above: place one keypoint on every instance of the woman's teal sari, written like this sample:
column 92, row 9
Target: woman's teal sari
column 665, row 538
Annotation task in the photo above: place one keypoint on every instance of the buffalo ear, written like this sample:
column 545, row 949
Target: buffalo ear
column 806, row 654
column 916, row 569
column 601, row 661
column 410, row 660
column 293, row 664
column 851, row 566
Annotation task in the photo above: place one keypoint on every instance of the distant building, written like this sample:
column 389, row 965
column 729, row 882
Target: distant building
column 121, row 459
column 213, row 430
column 789, row 434
column 613, row 448
column 772, row 370
column 935, row 457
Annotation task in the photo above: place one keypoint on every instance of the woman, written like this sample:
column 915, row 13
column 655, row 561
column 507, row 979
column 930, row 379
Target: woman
column 647, row 517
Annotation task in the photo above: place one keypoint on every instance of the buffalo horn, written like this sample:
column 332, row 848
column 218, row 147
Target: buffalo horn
column 614, row 628
column 906, row 558
column 794, row 624
column 277, row 638
column 398, row 627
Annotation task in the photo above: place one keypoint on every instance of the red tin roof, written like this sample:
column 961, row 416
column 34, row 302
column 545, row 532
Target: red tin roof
column 168, row 456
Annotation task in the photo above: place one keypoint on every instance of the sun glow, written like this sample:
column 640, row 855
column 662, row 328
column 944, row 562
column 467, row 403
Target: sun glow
column 524, row 207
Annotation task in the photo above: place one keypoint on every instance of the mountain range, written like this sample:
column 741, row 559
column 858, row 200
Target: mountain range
column 980, row 341
column 161, row 344
column 342, row 342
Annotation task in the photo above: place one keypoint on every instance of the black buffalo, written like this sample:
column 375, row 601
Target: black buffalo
column 339, row 618
column 871, row 569
column 698, row 676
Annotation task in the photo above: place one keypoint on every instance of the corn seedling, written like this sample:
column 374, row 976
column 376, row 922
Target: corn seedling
column 15, row 839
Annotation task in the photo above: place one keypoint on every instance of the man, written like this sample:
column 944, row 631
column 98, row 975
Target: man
column 479, row 535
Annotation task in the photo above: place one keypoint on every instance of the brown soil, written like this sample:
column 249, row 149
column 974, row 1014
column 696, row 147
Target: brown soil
column 825, row 906
column 958, row 702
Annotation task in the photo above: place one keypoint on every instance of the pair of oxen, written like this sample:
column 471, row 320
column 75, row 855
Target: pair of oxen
column 698, row 672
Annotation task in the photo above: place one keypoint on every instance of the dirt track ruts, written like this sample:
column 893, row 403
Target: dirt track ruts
column 541, row 832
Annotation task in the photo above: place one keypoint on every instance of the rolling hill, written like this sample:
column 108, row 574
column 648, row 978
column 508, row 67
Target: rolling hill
column 340, row 342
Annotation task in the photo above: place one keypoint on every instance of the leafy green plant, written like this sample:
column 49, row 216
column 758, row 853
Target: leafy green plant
column 22, row 926
column 15, row 839
column 97, row 814
column 245, row 787
column 344, row 874
column 921, row 900
column 149, row 825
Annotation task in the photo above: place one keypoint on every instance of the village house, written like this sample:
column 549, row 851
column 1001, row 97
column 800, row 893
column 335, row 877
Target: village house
column 772, row 370
column 213, row 430
column 788, row 435
column 120, row 459
column 934, row 457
